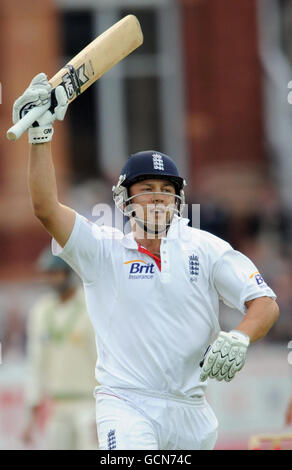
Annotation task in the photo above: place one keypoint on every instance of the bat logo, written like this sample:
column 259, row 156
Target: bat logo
column 68, row 85
column 74, row 80
column 82, row 77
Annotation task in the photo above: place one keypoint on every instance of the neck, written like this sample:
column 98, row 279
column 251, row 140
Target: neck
column 150, row 245
column 149, row 241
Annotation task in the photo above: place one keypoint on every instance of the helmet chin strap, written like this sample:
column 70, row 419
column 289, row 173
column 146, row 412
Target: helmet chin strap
column 150, row 228
column 147, row 229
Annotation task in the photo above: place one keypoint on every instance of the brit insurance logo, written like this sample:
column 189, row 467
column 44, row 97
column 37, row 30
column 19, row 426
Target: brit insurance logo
column 194, row 267
column 259, row 279
column 139, row 269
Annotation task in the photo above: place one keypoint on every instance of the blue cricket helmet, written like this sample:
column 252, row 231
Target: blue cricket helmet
column 151, row 164
column 148, row 164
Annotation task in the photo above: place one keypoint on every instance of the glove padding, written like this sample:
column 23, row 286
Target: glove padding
column 40, row 93
column 225, row 356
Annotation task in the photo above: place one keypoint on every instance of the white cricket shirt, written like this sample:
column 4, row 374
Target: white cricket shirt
column 152, row 327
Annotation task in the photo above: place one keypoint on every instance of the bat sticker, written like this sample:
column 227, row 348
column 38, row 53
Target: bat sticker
column 68, row 85
column 74, row 80
column 82, row 77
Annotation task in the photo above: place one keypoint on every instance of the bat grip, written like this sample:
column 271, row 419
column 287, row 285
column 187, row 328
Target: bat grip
column 24, row 123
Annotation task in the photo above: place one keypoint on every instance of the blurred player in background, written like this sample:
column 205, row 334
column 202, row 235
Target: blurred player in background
column 61, row 359
column 152, row 295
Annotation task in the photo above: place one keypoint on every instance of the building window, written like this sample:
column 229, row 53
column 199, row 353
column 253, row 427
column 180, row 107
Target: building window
column 78, row 31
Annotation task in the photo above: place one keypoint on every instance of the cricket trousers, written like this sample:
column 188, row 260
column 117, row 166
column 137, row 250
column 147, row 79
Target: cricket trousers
column 132, row 421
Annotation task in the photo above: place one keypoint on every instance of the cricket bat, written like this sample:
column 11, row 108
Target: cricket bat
column 88, row 66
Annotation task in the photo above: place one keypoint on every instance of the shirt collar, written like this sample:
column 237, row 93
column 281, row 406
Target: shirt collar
column 128, row 241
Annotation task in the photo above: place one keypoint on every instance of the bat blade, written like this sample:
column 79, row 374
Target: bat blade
column 89, row 65
column 99, row 56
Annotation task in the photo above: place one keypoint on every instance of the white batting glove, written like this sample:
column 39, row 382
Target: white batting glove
column 40, row 93
column 225, row 356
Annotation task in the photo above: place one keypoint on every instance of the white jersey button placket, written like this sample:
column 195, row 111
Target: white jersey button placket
column 164, row 256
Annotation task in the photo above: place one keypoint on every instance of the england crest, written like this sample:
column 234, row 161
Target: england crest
column 194, row 267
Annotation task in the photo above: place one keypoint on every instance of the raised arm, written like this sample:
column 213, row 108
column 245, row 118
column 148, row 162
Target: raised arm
column 57, row 219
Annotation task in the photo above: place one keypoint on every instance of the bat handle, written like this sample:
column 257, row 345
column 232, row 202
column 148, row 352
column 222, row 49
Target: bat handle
column 23, row 124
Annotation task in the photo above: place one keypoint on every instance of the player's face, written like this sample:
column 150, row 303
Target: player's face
column 154, row 201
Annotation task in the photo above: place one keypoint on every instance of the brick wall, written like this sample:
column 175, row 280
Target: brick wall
column 30, row 43
column 223, row 93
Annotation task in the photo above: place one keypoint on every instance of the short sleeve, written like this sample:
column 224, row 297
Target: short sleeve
column 238, row 280
column 85, row 249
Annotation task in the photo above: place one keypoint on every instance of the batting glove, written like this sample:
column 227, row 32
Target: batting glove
column 40, row 93
column 225, row 356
